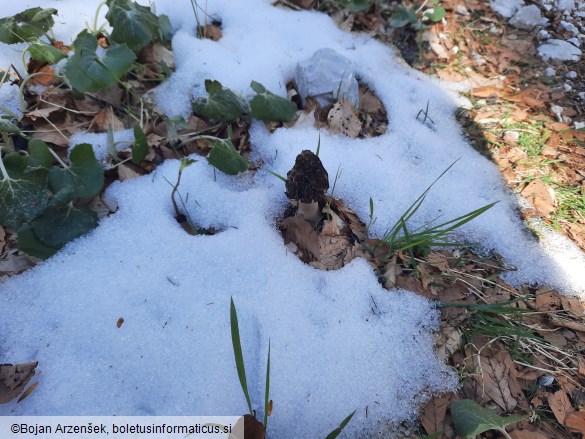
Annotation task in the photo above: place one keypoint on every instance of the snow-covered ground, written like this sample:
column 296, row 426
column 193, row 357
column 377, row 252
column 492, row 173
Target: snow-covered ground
column 339, row 341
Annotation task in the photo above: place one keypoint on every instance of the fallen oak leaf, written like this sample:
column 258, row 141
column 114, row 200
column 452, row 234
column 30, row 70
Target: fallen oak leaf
column 343, row 119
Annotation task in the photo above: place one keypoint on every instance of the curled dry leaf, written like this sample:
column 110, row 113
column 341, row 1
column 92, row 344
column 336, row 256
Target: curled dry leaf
column 343, row 119
column 120, row 322
column 14, row 378
column 253, row 429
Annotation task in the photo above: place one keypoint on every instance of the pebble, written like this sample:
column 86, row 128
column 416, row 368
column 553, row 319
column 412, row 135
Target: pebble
column 559, row 50
column 567, row 87
column 569, row 27
column 571, row 74
column 549, row 72
column 527, row 18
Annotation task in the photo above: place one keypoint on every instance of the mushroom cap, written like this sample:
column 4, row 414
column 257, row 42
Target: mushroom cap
column 308, row 180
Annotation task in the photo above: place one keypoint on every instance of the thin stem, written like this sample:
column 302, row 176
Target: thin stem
column 23, row 83
column 95, row 18
column 56, row 157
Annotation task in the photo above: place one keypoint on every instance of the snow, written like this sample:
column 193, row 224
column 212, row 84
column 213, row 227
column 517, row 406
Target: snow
column 339, row 342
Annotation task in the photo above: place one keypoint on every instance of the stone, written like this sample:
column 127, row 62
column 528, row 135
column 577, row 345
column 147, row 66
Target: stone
column 328, row 77
column 565, row 5
column 527, row 18
column 571, row 74
column 569, row 27
column 506, row 8
column 559, row 50
column 549, row 72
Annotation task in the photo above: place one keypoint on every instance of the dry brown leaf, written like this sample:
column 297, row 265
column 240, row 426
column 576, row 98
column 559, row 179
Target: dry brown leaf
column 13, row 379
column 486, row 91
column 434, row 412
column 370, row 103
column 211, row 32
column 47, row 79
column 126, row 172
column 574, row 306
column 526, row 434
column 120, row 322
column 547, row 301
column 155, row 55
column 439, row 260
column 343, row 119
column 581, row 364
column 541, row 196
column 448, row 343
column 575, row 422
column 560, row 405
column 302, row 233
column 575, row 326
column 496, row 376
column 389, row 273
column 105, row 119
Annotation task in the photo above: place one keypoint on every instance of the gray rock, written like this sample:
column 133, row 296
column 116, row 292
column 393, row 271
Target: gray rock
column 571, row 74
column 574, row 41
column 327, row 76
column 506, row 8
column 565, row 5
column 559, row 50
column 569, row 27
column 527, row 18
column 549, row 72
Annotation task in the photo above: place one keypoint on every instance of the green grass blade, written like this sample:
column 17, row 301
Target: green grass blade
column 238, row 353
column 318, row 144
column 267, row 391
column 339, row 429
column 276, row 175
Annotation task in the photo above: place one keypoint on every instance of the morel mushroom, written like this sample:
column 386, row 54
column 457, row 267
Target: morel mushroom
column 307, row 183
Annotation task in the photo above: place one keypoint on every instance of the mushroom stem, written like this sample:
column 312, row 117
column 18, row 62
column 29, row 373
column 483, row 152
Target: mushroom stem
column 309, row 211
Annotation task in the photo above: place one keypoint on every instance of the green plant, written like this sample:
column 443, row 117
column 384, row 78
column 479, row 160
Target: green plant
column 239, row 358
column 416, row 18
column 420, row 240
column 41, row 201
column 133, row 27
column 471, row 419
column 183, row 218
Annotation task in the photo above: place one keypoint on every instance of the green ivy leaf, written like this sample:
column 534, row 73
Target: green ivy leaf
column 27, row 25
column 39, row 155
column 23, row 192
column 8, row 127
column 436, row 14
column 132, row 24
column 267, row 106
column 403, row 17
column 29, row 243
column 84, row 178
column 226, row 158
column 471, row 419
column 59, row 225
column 140, row 145
column 165, row 29
column 46, row 53
column 356, row 5
column 222, row 104
column 86, row 71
